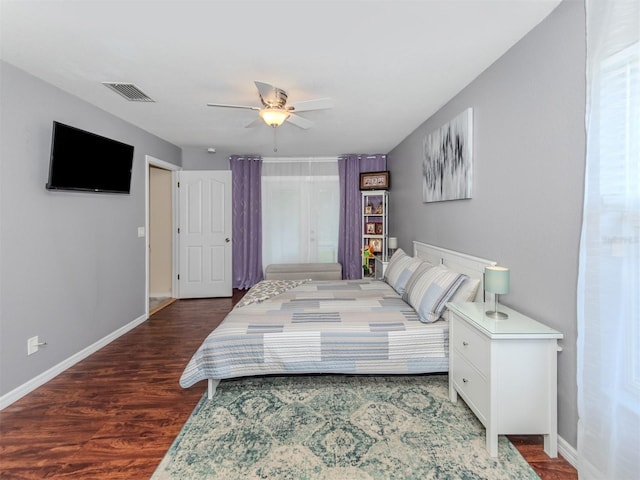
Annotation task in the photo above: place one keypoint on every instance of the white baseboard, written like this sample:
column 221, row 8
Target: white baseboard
column 28, row 387
column 569, row 453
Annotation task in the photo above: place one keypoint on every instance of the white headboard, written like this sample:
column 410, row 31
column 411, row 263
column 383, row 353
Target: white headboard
column 456, row 261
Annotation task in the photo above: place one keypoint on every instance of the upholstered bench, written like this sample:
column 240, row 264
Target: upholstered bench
column 302, row 271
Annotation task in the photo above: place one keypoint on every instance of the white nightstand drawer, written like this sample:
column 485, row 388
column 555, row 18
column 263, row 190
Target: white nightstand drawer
column 472, row 386
column 471, row 345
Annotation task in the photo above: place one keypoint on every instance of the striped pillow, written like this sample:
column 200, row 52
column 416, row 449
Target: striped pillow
column 429, row 289
column 399, row 270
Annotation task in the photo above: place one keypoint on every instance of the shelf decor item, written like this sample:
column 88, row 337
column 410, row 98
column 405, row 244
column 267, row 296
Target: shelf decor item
column 366, row 255
column 375, row 245
column 374, row 181
column 496, row 281
column 370, row 228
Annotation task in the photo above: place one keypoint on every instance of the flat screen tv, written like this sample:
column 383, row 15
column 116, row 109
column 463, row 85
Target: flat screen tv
column 88, row 162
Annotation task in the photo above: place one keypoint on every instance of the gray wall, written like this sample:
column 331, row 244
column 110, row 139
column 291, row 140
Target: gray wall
column 197, row 158
column 529, row 155
column 72, row 267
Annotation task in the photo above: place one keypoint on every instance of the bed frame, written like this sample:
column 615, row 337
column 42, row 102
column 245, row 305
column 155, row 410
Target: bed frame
column 456, row 261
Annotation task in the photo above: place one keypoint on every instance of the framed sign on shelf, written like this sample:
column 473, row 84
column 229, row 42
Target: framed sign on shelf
column 370, row 228
column 375, row 244
column 374, row 181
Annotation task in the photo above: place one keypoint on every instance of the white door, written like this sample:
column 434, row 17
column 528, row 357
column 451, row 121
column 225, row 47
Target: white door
column 204, row 234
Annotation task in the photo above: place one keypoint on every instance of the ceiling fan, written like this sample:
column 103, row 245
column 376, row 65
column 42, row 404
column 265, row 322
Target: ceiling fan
column 275, row 111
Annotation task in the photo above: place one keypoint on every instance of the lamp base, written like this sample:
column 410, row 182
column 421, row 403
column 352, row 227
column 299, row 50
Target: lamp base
column 496, row 314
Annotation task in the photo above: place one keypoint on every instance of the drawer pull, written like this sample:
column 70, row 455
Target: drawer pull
column 465, row 344
column 464, row 380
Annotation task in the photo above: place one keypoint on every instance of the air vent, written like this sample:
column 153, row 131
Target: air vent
column 129, row 91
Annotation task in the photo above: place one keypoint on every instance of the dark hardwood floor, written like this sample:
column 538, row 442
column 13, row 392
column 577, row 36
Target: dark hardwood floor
column 115, row 414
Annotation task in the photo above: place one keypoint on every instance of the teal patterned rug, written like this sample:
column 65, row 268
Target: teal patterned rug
column 336, row 427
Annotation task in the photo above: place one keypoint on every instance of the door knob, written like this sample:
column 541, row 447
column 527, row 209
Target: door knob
column 227, row 239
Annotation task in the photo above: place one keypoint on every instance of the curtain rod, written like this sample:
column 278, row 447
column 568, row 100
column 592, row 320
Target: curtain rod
column 299, row 159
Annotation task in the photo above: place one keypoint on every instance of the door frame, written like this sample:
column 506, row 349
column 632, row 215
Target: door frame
column 156, row 162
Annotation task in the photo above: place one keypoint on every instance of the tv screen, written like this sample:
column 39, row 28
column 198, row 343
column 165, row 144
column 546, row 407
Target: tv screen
column 88, row 162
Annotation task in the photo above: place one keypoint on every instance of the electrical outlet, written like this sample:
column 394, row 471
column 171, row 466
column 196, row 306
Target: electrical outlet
column 32, row 345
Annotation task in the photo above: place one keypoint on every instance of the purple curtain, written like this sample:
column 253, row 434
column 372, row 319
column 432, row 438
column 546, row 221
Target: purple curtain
column 246, row 173
column 350, row 167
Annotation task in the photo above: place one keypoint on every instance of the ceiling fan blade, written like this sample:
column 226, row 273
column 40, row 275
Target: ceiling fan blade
column 298, row 121
column 224, row 105
column 266, row 91
column 308, row 105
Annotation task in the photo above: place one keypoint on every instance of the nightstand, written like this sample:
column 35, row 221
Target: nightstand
column 506, row 372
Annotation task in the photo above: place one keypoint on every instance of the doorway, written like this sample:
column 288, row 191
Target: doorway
column 160, row 222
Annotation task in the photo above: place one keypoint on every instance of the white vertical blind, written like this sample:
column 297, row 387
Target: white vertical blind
column 300, row 210
column 609, row 278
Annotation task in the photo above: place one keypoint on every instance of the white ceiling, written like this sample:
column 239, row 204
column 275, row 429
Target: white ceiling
column 388, row 65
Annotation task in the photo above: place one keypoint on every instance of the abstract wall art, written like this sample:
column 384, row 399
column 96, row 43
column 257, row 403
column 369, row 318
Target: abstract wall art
column 447, row 161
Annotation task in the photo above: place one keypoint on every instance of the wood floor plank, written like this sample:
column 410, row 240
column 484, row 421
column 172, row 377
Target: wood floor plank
column 113, row 415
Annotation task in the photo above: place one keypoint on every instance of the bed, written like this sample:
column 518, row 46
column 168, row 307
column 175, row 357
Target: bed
column 368, row 326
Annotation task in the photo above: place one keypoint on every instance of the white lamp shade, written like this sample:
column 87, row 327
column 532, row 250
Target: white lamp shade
column 393, row 243
column 496, row 280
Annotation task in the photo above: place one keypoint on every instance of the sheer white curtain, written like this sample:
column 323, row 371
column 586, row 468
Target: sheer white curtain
column 300, row 210
column 609, row 285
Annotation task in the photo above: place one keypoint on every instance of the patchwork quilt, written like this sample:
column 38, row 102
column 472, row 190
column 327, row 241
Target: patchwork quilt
column 331, row 326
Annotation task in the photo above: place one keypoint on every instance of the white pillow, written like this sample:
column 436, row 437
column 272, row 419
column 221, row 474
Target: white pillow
column 399, row 270
column 429, row 289
column 467, row 291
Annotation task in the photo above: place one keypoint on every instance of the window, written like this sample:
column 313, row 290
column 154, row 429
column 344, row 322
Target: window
column 300, row 210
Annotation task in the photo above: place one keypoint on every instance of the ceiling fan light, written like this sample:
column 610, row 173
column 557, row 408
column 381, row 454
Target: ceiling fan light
column 274, row 117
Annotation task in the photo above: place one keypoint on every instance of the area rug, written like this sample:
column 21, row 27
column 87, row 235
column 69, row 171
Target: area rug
column 336, row 427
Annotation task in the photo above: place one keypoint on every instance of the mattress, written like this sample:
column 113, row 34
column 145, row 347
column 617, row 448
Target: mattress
column 340, row 326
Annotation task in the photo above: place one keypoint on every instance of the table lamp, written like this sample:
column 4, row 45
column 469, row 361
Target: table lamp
column 393, row 245
column 496, row 281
